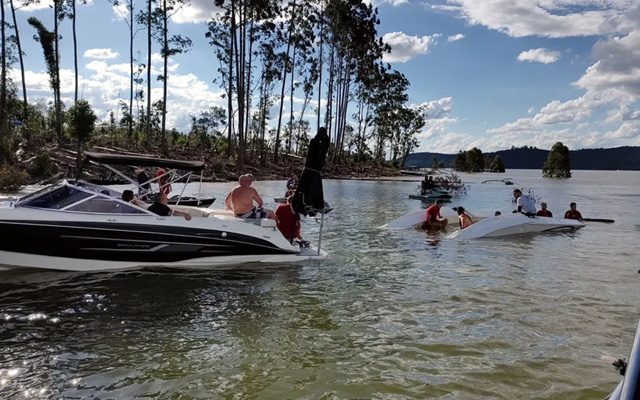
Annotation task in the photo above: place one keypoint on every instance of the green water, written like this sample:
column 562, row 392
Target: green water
column 391, row 315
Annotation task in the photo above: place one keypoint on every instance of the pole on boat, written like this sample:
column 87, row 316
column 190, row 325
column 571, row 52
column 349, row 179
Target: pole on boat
column 320, row 234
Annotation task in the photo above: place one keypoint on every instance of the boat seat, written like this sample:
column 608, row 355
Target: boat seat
column 267, row 223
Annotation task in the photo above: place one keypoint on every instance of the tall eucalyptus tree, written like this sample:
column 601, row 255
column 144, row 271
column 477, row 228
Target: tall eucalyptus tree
column 47, row 40
column 128, row 17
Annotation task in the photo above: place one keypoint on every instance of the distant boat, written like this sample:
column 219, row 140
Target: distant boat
column 430, row 198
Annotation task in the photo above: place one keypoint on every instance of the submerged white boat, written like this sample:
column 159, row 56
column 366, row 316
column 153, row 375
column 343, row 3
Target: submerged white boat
column 515, row 224
column 78, row 226
column 488, row 227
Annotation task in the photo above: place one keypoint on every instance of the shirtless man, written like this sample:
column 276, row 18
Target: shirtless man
column 240, row 200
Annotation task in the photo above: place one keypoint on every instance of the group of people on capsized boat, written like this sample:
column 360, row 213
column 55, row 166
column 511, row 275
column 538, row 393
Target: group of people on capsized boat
column 434, row 221
column 526, row 205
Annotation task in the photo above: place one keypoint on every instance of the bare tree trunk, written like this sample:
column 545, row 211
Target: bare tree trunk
column 284, row 81
column 232, row 34
column 130, row 130
column 149, row 10
column 320, row 67
column 240, row 66
column 56, row 92
column 3, row 74
column 327, row 118
column 165, row 51
column 75, row 51
column 248, row 85
column 25, row 109
column 293, row 70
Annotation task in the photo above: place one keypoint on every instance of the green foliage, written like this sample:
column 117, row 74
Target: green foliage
column 497, row 165
column 81, row 120
column 460, row 162
column 12, row 178
column 41, row 166
column 469, row 161
column 558, row 164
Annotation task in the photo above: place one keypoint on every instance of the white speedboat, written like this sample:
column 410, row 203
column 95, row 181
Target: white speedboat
column 514, row 224
column 78, row 226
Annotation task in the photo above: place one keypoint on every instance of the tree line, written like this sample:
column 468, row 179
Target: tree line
column 474, row 161
column 326, row 55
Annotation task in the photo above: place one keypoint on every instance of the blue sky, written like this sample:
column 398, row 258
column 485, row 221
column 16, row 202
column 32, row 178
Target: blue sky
column 491, row 73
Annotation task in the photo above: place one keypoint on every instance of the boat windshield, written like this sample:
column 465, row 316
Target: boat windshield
column 70, row 198
column 56, row 197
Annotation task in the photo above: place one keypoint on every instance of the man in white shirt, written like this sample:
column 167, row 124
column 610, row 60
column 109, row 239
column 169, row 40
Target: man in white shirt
column 525, row 203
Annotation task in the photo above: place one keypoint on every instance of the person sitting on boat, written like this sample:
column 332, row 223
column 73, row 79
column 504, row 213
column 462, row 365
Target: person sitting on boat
column 288, row 221
column 127, row 196
column 525, row 203
column 434, row 220
column 543, row 212
column 573, row 212
column 161, row 208
column 464, row 218
column 163, row 180
column 144, row 186
column 240, row 200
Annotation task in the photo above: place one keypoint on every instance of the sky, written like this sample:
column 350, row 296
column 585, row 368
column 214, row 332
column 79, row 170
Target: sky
column 492, row 73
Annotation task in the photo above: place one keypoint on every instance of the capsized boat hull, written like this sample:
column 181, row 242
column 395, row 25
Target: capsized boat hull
column 515, row 224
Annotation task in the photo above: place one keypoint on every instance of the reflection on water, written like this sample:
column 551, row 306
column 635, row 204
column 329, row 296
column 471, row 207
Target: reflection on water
column 389, row 315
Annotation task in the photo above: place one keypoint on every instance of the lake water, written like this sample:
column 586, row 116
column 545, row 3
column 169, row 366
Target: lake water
column 393, row 315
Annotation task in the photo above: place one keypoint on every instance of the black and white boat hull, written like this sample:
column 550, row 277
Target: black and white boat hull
column 88, row 242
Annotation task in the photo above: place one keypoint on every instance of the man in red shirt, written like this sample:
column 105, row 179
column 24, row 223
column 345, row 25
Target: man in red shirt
column 434, row 220
column 163, row 180
column 544, row 212
column 288, row 221
column 573, row 213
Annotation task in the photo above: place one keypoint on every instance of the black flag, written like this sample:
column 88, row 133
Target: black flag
column 309, row 197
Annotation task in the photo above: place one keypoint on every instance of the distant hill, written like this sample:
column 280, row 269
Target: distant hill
column 625, row 158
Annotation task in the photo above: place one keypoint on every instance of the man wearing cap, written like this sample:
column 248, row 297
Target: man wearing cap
column 434, row 220
column 544, row 212
column 240, row 200
column 524, row 203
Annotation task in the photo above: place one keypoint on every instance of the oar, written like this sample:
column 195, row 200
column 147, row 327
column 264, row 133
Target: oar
column 606, row 221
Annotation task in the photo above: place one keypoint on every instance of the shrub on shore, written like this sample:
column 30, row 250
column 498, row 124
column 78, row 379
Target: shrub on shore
column 42, row 166
column 12, row 178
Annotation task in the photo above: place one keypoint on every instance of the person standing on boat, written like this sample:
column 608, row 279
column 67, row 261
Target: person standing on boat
column 144, row 186
column 240, row 200
column 525, row 203
column 163, row 180
column 544, row 212
column 434, row 220
column 464, row 218
column 573, row 212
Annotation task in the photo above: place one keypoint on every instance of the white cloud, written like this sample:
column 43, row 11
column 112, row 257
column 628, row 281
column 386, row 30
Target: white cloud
column 455, row 38
column 540, row 55
column 104, row 85
column 195, row 12
column 405, row 47
column 550, row 18
column 618, row 65
column 101, row 54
